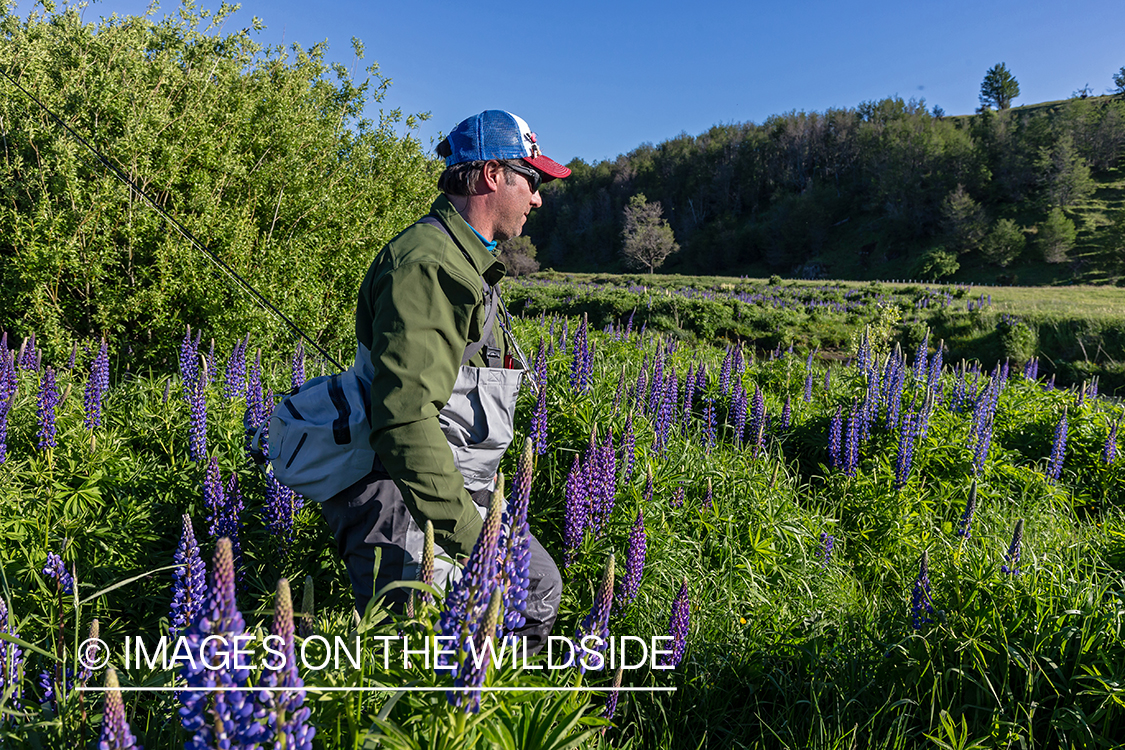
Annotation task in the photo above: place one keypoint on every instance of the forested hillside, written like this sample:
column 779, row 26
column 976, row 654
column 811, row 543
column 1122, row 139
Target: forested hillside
column 888, row 189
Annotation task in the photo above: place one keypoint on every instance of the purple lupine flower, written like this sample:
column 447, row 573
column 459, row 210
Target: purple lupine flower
column 1058, row 450
column 611, row 699
column 73, row 356
column 710, row 436
column 297, row 366
column 835, row 439
column 9, row 384
column 827, row 542
column 11, row 659
column 89, row 653
column 581, row 367
column 656, row 385
column 167, row 391
column 701, row 378
column 724, row 373
column 189, row 583
column 230, row 524
column 116, row 734
column 577, row 517
column 605, row 493
column 234, row 376
column 920, row 358
column 628, row 449
column 1012, row 557
column 28, row 355
column 215, row 718
column 278, row 512
column 851, row 442
column 935, row 367
column 709, row 498
column 282, row 711
column 827, row 379
column 96, row 386
column 678, row 498
column 48, row 402
column 538, row 428
column 640, row 389
column 56, row 569
column 189, row 359
column 787, row 414
column 592, row 636
column 634, row 561
column 738, row 406
column 467, row 605
column 905, row 460
column 965, row 527
column 678, row 626
column 565, row 335
column 214, row 500
column 808, row 386
column 1050, row 384
column 515, row 543
column 197, row 400
column 1109, row 452
column 47, row 684
column 921, row 601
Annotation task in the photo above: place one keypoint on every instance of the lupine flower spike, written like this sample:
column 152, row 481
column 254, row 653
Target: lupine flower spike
column 116, row 734
column 592, row 636
column 634, row 561
column 678, row 625
column 48, row 402
column 1109, row 453
column 827, row 542
column 11, row 659
column 286, row 718
column 466, row 603
column 611, row 698
column 1058, row 450
column 921, row 602
column 515, row 543
column 189, row 584
column 218, row 718
column 1012, row 557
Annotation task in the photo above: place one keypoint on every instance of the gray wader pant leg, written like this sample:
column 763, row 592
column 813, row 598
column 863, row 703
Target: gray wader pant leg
column 371, row 514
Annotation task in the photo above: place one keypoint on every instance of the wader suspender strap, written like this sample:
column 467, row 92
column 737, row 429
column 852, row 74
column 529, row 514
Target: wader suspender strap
column 492, row 298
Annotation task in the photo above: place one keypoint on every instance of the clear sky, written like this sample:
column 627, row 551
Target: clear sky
column 595, row 79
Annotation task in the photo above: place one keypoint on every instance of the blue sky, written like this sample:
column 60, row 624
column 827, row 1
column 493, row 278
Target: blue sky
column 596, row 79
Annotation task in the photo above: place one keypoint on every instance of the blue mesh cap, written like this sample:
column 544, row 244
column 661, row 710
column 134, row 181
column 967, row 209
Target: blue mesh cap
column 495, row 134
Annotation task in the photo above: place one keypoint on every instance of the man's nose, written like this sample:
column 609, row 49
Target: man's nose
column 536, row 199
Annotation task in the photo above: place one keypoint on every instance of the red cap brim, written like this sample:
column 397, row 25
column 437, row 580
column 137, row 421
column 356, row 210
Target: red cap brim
column 550, row 168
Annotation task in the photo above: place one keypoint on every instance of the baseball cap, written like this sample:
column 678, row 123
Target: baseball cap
column 496, row 134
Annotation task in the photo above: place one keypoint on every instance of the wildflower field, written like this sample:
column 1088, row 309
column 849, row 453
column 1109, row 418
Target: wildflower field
column 869, row 545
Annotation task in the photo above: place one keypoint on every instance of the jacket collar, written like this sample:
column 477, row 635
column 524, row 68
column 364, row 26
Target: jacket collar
column 484, row 263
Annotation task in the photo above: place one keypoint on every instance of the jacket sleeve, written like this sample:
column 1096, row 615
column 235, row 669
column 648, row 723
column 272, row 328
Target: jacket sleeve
column 420, row 321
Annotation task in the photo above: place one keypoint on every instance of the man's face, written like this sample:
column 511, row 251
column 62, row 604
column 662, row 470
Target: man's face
column 515, row 201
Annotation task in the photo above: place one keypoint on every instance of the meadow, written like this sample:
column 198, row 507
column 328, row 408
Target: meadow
column 852, row 537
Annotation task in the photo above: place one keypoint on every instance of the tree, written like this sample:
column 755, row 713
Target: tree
column 648, row 238
column 1056, row 236
column 938, row 264
column 964, row 220
column 518, row 256
column 261, row 153
column 1119, row 81
column 1064, row 173
column 999, row 87
column 1004, row 243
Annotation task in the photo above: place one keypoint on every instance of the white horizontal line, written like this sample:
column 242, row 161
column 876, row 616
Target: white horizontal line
column 145, row 689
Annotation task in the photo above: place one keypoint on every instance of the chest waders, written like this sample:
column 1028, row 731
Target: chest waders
column 370, row 514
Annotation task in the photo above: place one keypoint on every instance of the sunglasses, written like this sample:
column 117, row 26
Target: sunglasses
column 532, row 175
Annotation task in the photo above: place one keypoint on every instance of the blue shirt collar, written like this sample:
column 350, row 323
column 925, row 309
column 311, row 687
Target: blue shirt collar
column 489, row 246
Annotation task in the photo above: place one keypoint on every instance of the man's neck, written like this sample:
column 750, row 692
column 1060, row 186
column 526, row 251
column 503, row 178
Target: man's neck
column 471, row 211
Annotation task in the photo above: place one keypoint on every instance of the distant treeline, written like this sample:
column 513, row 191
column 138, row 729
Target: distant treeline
column 744, row 196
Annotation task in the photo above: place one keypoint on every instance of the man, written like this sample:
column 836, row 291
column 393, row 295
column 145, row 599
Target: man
column 426, row 304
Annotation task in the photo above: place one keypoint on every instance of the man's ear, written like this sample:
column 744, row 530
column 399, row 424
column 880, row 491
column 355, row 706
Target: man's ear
column 490, row 177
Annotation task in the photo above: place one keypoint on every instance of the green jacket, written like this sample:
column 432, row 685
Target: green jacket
column 420, row 305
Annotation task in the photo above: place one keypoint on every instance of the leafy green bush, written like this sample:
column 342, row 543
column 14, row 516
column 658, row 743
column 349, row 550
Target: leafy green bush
column 260, row 153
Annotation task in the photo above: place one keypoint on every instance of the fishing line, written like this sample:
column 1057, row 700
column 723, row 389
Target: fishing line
column 184, row 231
